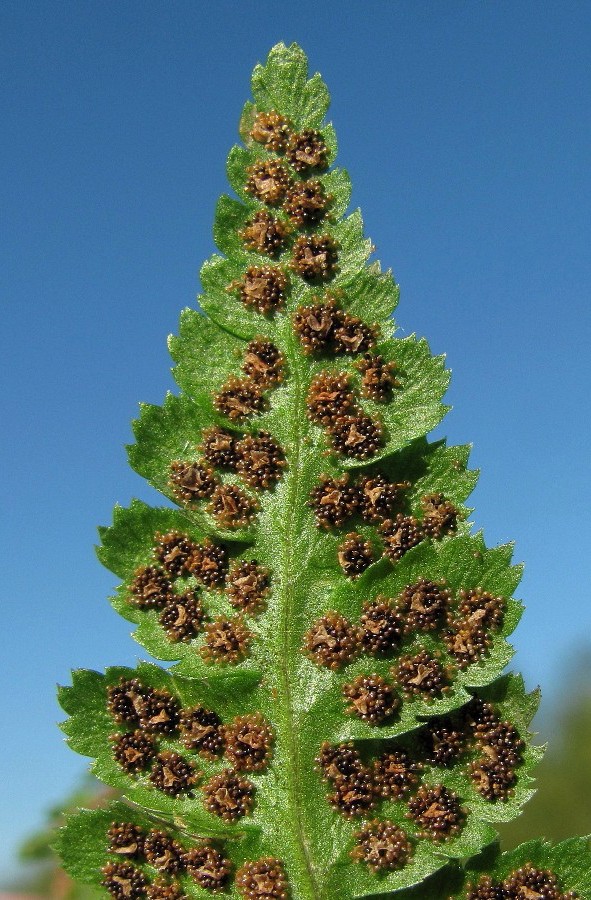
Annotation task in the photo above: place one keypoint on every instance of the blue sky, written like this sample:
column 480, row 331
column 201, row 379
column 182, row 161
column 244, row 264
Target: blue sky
column 466, row 128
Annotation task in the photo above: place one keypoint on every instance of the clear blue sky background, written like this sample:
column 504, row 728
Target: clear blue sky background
column 466, row 129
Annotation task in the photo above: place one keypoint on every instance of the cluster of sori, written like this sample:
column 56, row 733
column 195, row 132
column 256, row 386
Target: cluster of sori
column 483, row 750
column 151, row 716
column 171, row 583
column 380, row 502
column 460, row 627
column 155, row 865
column 256, row 458
column 526, row 883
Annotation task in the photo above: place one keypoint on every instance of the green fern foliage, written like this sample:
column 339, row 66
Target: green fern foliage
column 335, row 721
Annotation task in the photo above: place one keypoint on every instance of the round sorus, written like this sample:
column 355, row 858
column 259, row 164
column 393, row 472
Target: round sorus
column 352, row 335
column 191, row 481
column 382, row 846
column 209, row 563
column 481, row 608
column 163, row 852
column 394, row 774
column 382, row 626
column 466, row 641
column 314, row 257
column 231, row 507
column 239, row 398
column 247, row 586
column 400, row 535
column 126, row 839
column 262, row 879
column 479, row 717
column 377, row 377
column 262, row 288
column 219, row 448
column 439, row 515
column 332, row 641
column 354, row 555
column 207, row 866
column 125, row 701
column 371, row 698
column 267, row 181
column 201, row 731
column 314, row 325
column 271, row 130
column 333, row 500
column 124, row 882
column 228, row 795
column 263, row 363
column 337, row 761
column 173, row 550
column 260, row 460
column 353, row 795
column 437, row 811
column 529, row 881
column 161, row 889
column 329, row 397
column 421, row 675
column 160, row 712
column 182, row 617
column 306, row 203
column 173, row 774
column 442, row 742
column 248, row 742
column 424, row 605
column 307, row 150
column 378, row 497
column 356, row 436
column 263, row 233
column 150, row 588
column 502, row 743
column 493, row 780
column 226, row 640
column 486, row 889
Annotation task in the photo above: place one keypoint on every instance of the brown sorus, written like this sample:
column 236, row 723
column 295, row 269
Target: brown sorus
column 338, row 761
column 231, row 507
column 226, row 640
column 172, row 550
column 371, row 698
column 529, row 881
column 150, row 588
column 382, row 846
column 160, row 712
column 486, row 889
column 354, row 555
column 314, row 325
column 379, row 497
column 228, row 795
column 182, row 617
column 247, row 586
column 263, row 363
column 440, row 516
column 271, row 130
column 306, row 150
column 377, row 377
column 191, row 481
column 126, row 839
column 329, row 398
column 239, row 398
column 161, row 889
column 209, row 563
column 421, row 675
column 306, row 203
column 382, row 626
column 466, row 641
column 333, row 500
column 424, row 605
column 133, row 750
column 493, row 780
column 262, row 879
column 481, row 608
column 400, row 535
column 262, row 288
column 314, row 257
column 356, row 436
column 443, row 742
column 125, row 700
column 263, row 233
column 163, row 852
column 124, row 882
column 267, row 181
column 394, row 774
column 219, row 447
column 332, row 641
column 353, row 795
column 438, row 812
column 248, row 741
column 501, row 742
column 352, row 335
column 173, row 774
column 207, row 866
column 260, row 460
column 201, row 731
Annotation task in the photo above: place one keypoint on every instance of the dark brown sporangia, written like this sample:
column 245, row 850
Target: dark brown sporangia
column 354, row 794
column 526, row 883
column 330, row 397
column 239, row 399
column 182, row 617
column 161, row 889
column 400, row 535
column 382, row 846
column 173, row 774
column 338, row 761
column 379, row 497
column 228, row 795
column 248, row 742
column 271, row 130
column 394, row 774
column 333, row 500
column 493, row 780
column 160, row 712
column 352, row 335
column 437, row 811
column 191, row 481
column 314, row 325
column 371, row 698
column 307, row 150
column 219, row 447
column 314, row 257
column 262, row 288
column 150, row 588
column 443, row 742
column 354, row 555
column 306, row 203
column 226, row 640
column 263, row 233
column 466, row 641
column 261, row 879
column 173, row 550
column 133, row 751
column 125, row 700
column 124, row 882
column 126, row 839
column 260, row 460
column 268, row 181
column 421, row 675
column 201, row 731
column 209, row 563
column 382, row 626
column 163, row 852
column 377, row 377
column 440, row 516
column 424, row 605
column 247, row 586
column 207, row 866
column 501, row 742
column 481, row 608
column 264, row 363
column 356, row 436
column 231, row 507
column 332, row 641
